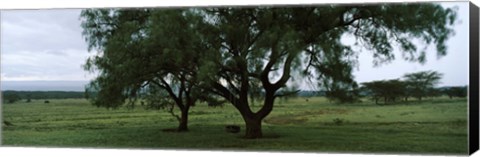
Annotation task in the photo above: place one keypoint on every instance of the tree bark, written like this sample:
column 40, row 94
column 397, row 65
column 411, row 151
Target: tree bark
column 183, row 123
column 253, row 128
column 253, row 121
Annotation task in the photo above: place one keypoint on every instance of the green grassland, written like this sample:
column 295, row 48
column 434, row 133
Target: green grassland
column 435, row 126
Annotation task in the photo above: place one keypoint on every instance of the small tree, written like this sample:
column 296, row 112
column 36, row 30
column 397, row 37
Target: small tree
column 373, row 89
column 421, row 84
column 145, row 48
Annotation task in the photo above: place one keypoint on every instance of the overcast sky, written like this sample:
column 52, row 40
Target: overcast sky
column 453, row 66
column 42, row 45
column 48, row 45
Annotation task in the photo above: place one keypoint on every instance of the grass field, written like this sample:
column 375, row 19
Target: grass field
column 437, row 126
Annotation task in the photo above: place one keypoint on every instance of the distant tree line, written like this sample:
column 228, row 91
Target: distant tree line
column 458, row 91
column 14, row 96
column 412, row 85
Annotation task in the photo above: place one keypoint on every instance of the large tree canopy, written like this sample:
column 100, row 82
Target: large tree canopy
column 145, row 49
column 227, row 50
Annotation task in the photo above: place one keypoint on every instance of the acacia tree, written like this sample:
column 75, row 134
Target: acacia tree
column 421, row 84
column 143, row 48
column 270, row 44
column 267, row 44
column 373, row 89
column 389, row 90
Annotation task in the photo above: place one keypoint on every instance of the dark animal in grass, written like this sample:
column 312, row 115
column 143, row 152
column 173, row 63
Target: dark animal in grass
column 46, row 102
column 7, row 123
column 232, row 128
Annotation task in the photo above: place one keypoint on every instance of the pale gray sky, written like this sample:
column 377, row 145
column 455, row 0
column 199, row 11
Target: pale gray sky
column 48, row 45
column 454, row 65
column 42, row 45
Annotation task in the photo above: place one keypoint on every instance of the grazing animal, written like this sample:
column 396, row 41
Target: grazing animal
column 46, row 102
column 232, row 128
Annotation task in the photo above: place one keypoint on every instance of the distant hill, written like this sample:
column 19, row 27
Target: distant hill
column 78, row 86
column 310, row 93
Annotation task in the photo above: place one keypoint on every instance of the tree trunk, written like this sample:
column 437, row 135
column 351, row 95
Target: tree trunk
column 253, row 128
column 253, row 121
column 183, row 123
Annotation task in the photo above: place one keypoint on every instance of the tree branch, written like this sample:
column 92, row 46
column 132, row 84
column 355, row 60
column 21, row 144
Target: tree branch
column 170, row 110
column 270, row 63
column 312, row 59
column 225, row 93
column 230, row 83
column 167, row 87
column 286, row 72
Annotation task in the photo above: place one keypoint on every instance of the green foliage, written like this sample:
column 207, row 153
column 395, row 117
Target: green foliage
column 157, row 99
column 140, row 48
